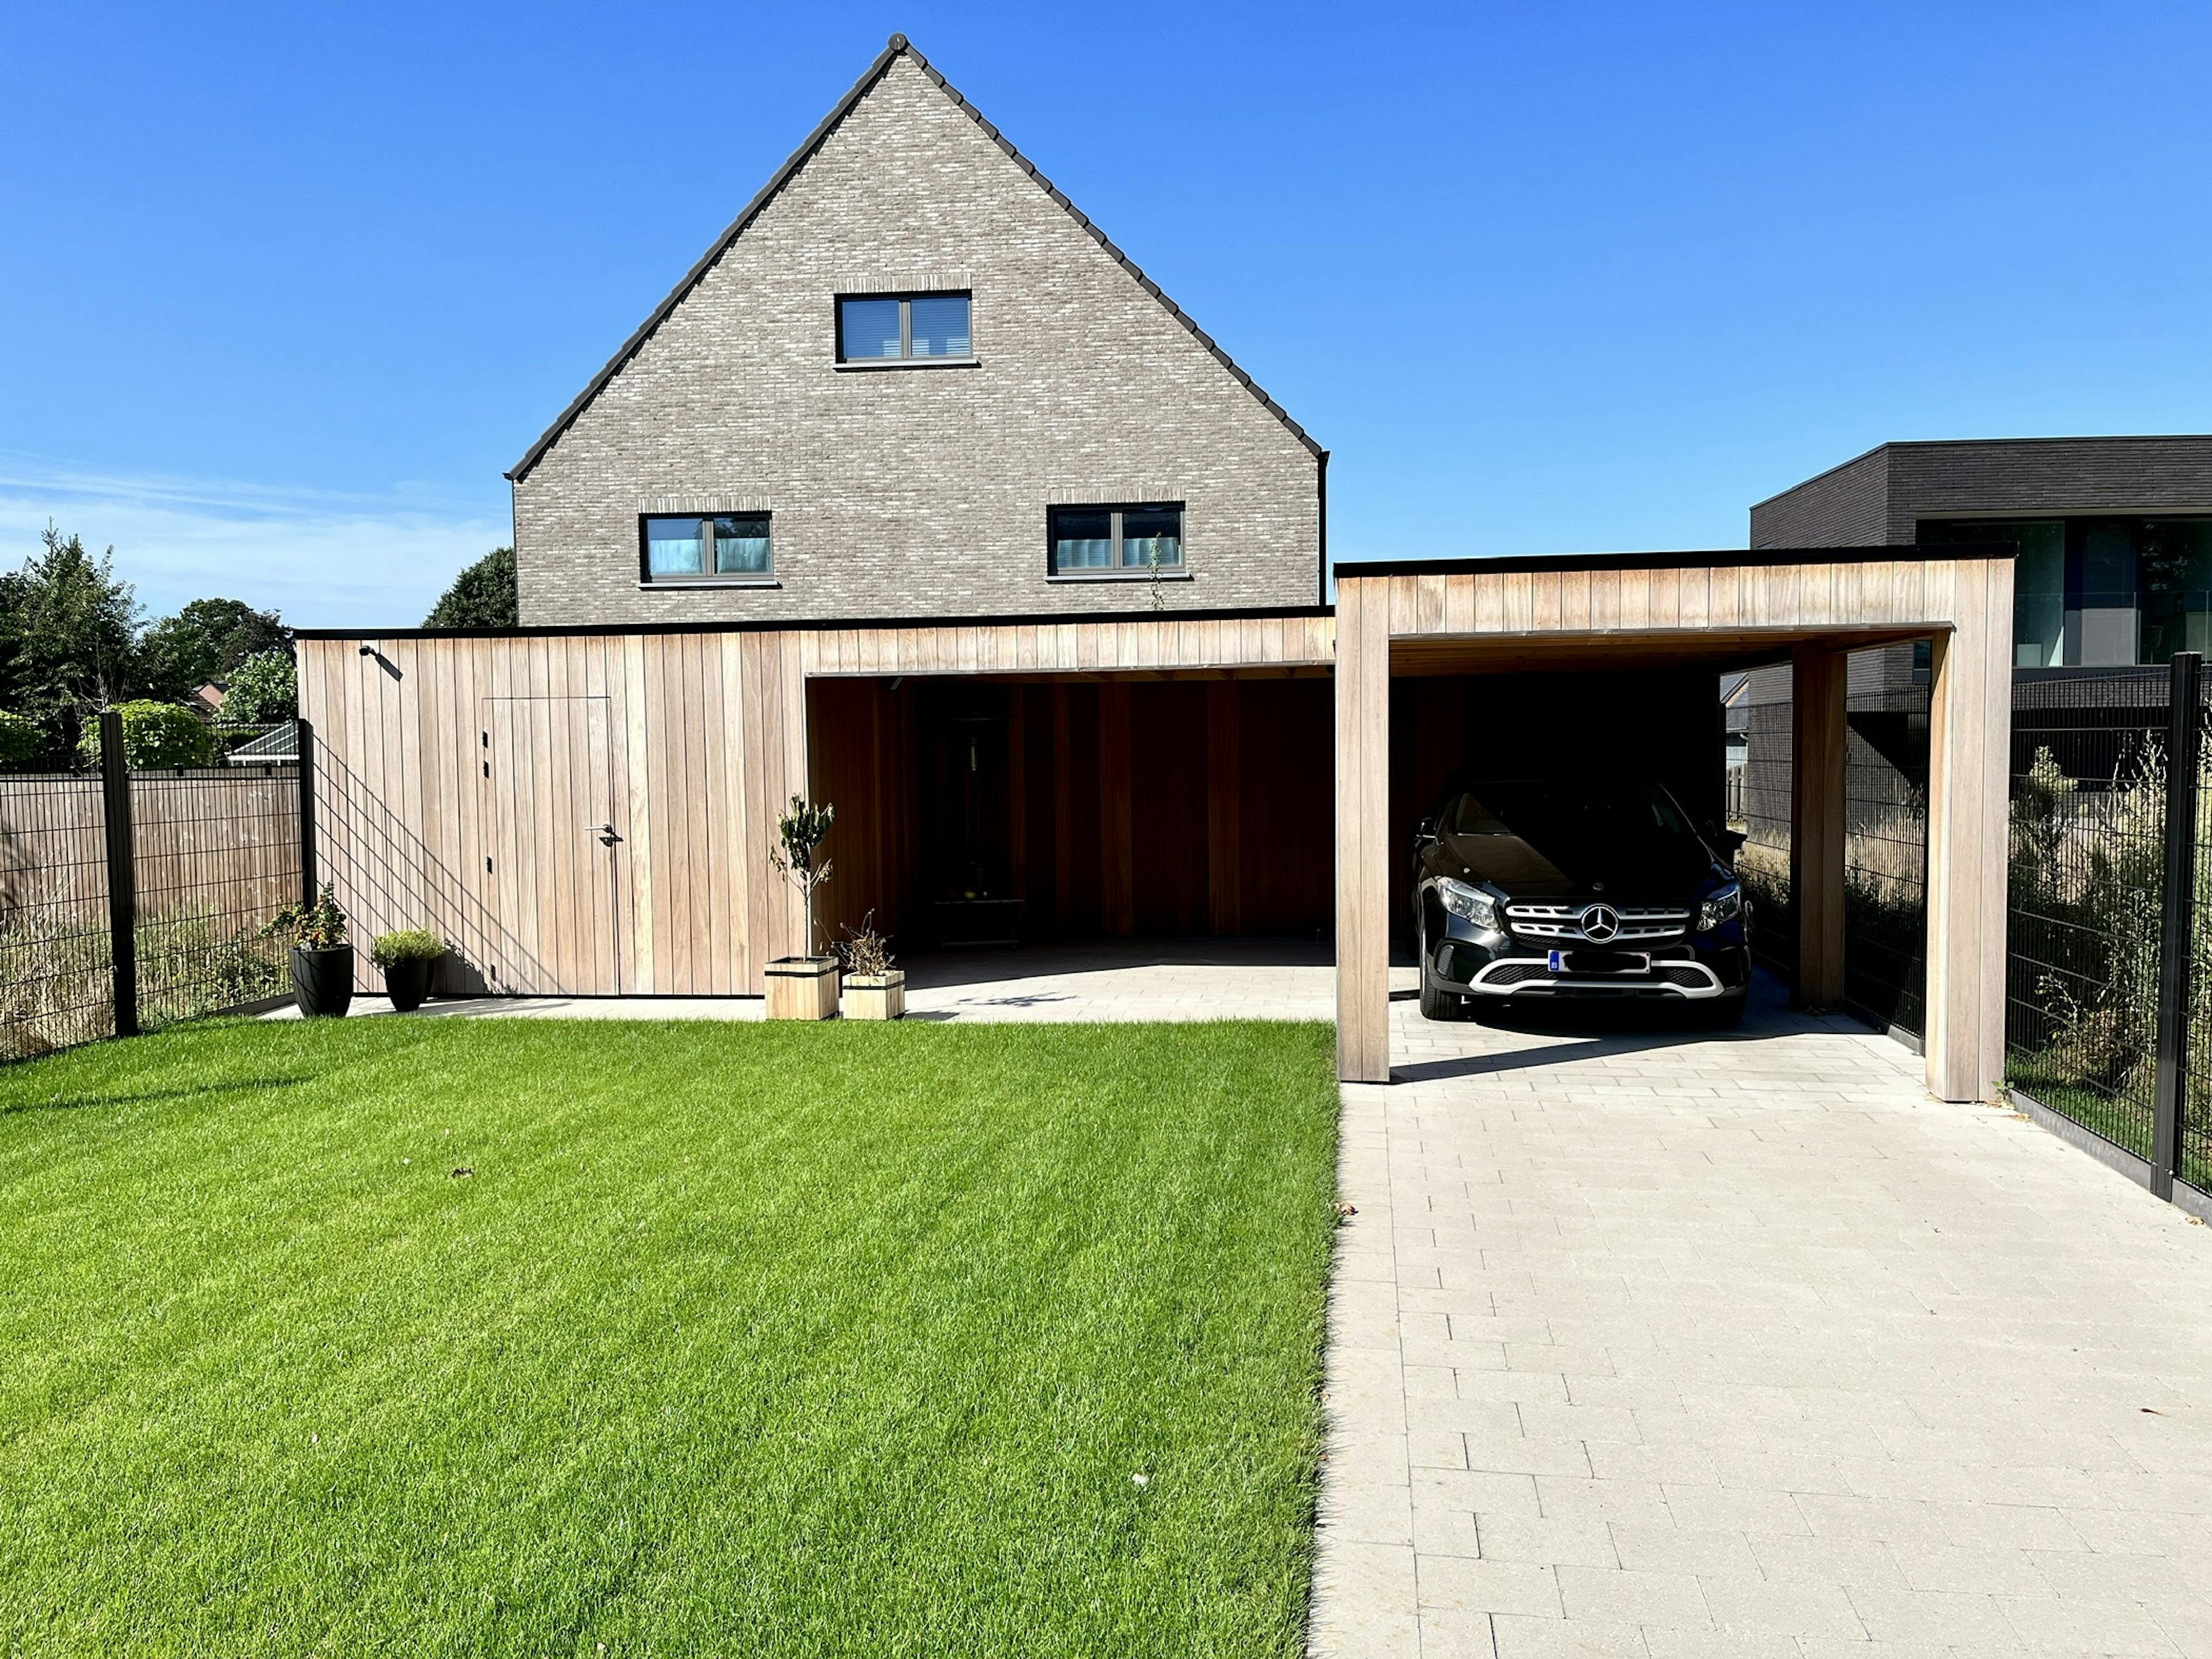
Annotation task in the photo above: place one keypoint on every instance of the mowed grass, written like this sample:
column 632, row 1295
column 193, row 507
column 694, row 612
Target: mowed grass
column 739, row 1339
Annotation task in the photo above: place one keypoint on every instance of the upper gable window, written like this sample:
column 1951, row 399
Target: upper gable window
column 903, row 328
column 724, row 546
column 1102, row 541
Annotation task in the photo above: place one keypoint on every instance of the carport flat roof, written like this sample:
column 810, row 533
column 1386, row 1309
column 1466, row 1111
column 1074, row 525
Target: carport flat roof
column 1729, row 558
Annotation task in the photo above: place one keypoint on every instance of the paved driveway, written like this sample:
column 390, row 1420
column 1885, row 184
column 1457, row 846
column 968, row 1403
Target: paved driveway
column 1707, row 1347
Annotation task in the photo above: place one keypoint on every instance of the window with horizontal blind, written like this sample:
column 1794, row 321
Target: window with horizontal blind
column 1105, row 541
column 706, row 547
column 892, row 328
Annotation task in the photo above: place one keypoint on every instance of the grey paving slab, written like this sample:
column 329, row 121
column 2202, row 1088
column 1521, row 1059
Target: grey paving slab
column 1739, row 1344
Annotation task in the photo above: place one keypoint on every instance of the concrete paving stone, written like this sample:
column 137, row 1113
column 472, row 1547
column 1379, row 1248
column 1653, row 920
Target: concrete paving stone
column 1477, row 1492
column 1717, row 1643
column 1515, row 1537
column 1643, row 1548
column 2049, row 1625
column 1938, row 1616
column 1475, row 1586
column 1367, row 1513
column 1516, row 1637
column 1766, row 1608
column 1970, row 1571
column 1675, row 1600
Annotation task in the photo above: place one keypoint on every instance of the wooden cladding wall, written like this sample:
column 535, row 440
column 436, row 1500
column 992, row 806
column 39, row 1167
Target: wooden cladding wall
column 464, row 783
column 1856, row 594
column 1159, row 809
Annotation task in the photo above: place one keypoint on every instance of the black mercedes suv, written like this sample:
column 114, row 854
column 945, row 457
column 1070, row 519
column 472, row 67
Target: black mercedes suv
column 1550, row 887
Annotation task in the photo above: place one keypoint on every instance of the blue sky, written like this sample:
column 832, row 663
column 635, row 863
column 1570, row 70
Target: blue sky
column 284, row 289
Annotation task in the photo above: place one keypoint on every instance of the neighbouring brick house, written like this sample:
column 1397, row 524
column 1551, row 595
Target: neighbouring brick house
column 2114, row 574
column 912, row 379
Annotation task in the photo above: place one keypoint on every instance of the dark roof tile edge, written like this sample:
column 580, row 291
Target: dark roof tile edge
column 898, row 46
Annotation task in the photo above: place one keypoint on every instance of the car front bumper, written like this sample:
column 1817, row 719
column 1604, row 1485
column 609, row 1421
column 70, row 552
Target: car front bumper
column 1485, row 964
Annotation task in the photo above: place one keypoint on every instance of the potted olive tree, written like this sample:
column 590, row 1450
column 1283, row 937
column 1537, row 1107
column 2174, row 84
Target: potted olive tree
column 873, row 988
column 322, row 961
column 407, row 959
column 803, row 987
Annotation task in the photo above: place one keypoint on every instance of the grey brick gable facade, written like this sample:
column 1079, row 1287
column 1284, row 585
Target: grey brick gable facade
column 923, row 490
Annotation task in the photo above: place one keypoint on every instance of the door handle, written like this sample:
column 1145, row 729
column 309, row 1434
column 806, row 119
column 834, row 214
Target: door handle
column 605, row 832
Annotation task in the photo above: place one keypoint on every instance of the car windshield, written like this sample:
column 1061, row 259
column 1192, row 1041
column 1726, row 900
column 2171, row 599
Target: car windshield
column 1547, row 813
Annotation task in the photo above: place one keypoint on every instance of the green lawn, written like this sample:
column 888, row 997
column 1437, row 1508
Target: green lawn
column 740, row 1340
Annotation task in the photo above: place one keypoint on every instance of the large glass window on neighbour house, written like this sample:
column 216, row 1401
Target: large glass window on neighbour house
column 2103, row 591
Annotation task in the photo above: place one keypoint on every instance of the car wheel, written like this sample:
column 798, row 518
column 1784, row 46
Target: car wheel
column 1436, row 1003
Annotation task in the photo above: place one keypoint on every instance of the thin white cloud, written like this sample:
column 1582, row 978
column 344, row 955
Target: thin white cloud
column 324, row 559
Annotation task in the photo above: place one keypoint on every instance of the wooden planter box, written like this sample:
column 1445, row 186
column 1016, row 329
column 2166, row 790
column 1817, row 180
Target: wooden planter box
column 876, row 996
column 802, row 987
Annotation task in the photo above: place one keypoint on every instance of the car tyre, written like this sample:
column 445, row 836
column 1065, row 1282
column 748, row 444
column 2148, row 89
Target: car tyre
column 1436, row 1003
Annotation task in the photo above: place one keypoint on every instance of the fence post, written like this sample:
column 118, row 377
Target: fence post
column 309, row 884
column 2178, row 923
column 122, row 871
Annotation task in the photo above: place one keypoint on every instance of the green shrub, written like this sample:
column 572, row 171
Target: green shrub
column 154, row 734
column 318, row 927
column 407, row 944
column 20, row 740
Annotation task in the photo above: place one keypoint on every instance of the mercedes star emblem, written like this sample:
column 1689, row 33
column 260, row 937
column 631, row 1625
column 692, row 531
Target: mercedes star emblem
column 1600, row 922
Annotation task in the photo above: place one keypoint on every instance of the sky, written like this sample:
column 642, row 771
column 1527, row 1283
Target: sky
column 285, row 289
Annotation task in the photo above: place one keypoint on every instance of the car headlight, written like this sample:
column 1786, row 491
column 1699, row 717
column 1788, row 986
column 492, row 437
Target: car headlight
column 1469, row 903
column 1726, row 905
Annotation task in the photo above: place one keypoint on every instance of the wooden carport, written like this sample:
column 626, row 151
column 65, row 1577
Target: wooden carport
column 1729, row 610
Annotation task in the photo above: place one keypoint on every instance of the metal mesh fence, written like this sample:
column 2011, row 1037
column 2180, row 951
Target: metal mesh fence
column 2196, row 1087
column 2086, row 880
column 56, row 984
column 215, row 852
column 1885, row 864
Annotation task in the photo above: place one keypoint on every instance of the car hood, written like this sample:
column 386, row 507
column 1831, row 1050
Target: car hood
column 1562, row 868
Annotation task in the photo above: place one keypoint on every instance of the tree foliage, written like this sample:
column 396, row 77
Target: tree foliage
column 482, row 596
column 208, row 640
column 264, row 689
column 154, row 734
column 69, row 638
column 20, row 740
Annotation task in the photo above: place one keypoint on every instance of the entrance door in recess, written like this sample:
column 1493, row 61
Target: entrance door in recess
column 556, row 839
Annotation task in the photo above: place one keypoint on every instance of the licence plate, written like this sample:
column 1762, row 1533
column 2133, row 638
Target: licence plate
column 1601, row 962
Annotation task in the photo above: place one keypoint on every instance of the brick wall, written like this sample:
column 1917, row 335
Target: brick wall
column 1844, row 506
column 917, row 491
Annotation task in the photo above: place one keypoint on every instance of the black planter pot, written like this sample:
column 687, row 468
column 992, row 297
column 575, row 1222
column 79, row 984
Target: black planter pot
column 322, row 981
column 408, row 982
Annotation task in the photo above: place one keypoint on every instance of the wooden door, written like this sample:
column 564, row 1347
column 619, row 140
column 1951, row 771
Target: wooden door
column 550, row 872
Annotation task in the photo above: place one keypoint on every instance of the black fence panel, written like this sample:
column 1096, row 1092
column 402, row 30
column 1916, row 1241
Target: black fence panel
column 56, row 987
column 217, row 852
column 2196, row 1086
column 2086, row 880
column 1885, row 863
column 213, row 853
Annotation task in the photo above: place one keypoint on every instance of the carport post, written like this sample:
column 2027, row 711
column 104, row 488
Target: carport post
column 1818, row 685
column 1970, row 743
column 1362, row 831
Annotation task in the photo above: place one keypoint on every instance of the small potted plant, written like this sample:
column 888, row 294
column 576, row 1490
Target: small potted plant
column 322, row 961
column 873, row 988
column 406, row 959
column 803, row 987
